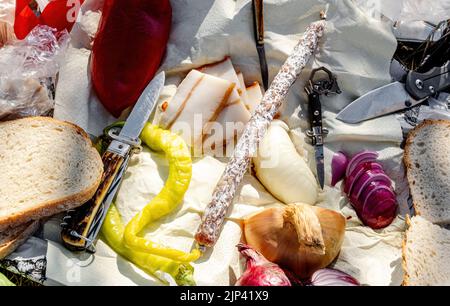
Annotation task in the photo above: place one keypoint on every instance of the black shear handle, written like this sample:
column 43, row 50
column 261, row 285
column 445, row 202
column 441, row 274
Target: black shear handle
column 424, row 85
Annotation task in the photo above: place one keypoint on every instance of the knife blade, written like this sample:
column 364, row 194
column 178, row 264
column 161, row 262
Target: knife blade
column 378, row 102
column 258, row 20
column 320, row 167
column 82, row 225
column 143, row 108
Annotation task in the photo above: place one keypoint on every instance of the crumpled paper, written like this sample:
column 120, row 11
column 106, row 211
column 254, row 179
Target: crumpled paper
column 356, row 47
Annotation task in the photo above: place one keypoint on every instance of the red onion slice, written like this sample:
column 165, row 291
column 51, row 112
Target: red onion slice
column 361, row 157
column 357, row 172
column 368, row 177
column 381, row 214
column 375, row 189
column 358, row 202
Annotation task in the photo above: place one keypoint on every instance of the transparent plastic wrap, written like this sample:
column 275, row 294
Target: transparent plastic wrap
column 29, row 68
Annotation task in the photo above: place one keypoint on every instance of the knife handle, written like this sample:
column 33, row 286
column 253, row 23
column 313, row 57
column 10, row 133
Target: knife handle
column 75, row 234
column 315, row 109
column 315, row 113
column 258, row 18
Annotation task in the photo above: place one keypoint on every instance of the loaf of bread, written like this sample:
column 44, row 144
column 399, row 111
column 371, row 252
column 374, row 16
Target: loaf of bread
column 47, row 166
column 427, row 161
column 426, row 249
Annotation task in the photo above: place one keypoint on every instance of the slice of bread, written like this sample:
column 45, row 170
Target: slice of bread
column 427, row 160
column 426, row 249
column 47, row 166
column 13, row 238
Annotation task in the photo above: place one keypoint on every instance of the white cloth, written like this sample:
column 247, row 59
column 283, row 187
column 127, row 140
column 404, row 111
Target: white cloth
column 355, row 47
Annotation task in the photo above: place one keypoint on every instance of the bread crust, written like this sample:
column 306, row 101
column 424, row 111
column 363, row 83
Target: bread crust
column 53, row 207
column 18, row 239
column 405, row 281
column 406, row 156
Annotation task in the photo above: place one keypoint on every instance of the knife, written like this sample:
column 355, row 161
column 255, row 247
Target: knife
column 81, row 226
column 317, row 133
column 396, row 96
column 258, row 19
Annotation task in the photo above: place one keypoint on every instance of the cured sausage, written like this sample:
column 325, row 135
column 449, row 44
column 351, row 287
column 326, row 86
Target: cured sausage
column 214, row 215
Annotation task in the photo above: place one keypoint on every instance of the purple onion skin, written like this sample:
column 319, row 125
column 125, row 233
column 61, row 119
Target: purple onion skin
column 332, row 277
column 260, row 271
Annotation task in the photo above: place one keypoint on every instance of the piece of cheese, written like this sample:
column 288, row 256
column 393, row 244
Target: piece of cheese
column 254, row 96
column 199, row 99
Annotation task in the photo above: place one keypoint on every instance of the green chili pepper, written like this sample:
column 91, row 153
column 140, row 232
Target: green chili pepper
column 168, row 199
column 113, row 231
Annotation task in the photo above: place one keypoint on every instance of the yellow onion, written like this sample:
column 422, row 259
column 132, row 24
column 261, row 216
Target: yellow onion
column 298, row 237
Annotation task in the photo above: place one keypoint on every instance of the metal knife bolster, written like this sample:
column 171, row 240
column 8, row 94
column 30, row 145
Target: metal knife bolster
column 82, row 225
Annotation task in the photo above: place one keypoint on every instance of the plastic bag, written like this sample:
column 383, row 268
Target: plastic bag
column 29, row 68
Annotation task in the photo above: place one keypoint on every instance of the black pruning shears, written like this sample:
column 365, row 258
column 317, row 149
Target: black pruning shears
column 314, row 89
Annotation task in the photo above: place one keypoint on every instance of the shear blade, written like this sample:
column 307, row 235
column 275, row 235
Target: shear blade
column 378, row 102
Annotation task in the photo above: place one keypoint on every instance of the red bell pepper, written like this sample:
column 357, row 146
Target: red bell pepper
column 59, row 14
column 128, row 49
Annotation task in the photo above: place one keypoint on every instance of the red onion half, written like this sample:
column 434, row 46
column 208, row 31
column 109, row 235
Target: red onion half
column 369, row 190
column 260, row 271
column 332, row 277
